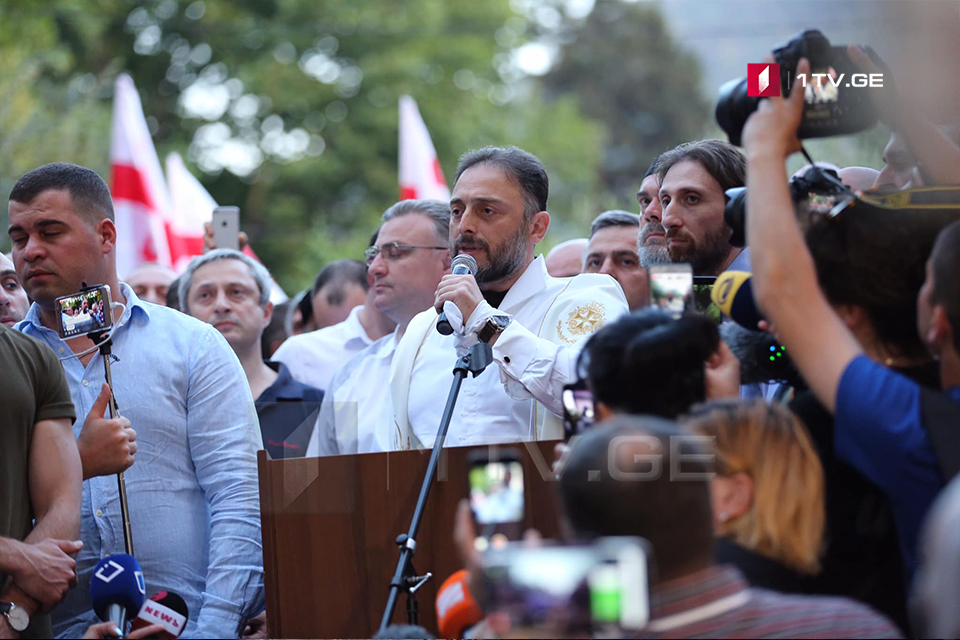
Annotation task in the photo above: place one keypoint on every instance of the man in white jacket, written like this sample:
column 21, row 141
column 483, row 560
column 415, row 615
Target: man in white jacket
column 535, row 323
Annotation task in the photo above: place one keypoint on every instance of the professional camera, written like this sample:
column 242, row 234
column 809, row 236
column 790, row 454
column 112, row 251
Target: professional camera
column 834, row 103
column 815, row 194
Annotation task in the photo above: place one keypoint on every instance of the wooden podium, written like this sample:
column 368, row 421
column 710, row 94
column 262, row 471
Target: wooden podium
column 329, row 526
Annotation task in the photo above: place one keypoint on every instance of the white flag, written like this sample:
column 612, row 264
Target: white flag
column 420, row 173
column 192, row 206
column 140, row 198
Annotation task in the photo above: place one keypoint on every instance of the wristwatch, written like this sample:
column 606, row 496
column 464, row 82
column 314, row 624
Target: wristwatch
column 18, row 618
column 494, row 327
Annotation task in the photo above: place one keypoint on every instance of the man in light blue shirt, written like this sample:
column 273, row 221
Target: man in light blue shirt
column 192, row 490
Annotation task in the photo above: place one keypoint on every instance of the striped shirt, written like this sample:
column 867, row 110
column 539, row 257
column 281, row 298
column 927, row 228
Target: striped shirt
column 718, row 603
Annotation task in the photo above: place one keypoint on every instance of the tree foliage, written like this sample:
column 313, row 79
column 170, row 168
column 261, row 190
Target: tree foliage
column 627, row 73
column 289, row 109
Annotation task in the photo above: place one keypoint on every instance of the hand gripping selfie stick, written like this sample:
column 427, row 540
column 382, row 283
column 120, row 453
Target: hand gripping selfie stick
column 405, row 578
column 103, row 339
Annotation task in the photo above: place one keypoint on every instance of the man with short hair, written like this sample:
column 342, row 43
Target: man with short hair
column 151, row 282
column 276, row 332
column 405, row 268
column 41, row 482
column 315, row 356
column 690, row 596
column 566, row 259
column 534, row 322
column 231, row 291
column 612, row 249
column 652, row 243
column 340, row 286
column 693, row 180
column 193, row 495
column 13, row 299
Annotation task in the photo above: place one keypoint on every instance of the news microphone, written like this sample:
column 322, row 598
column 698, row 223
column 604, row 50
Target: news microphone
column 762, row 359
column 457, row 610
column 167, row 609
column 733, row 295
column 463, row 265
column 117, row 591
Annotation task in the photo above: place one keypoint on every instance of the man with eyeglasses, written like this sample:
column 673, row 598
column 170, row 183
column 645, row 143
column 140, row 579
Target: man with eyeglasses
column 405, row 268
column 314, row 356
column 534, row 322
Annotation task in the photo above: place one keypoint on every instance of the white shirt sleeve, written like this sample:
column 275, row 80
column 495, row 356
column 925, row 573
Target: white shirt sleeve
column 538, row 367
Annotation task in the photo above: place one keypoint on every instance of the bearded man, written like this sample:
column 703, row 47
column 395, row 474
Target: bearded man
column 534, row 322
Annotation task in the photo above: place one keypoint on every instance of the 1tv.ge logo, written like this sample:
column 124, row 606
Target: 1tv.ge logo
column 763, row 81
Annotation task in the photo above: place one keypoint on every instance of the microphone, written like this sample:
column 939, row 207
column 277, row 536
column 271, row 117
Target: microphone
column 463, row 265
column 457, row 610
column 117, row 591
column 167, row 609
column 733, row 295
column 762, row 359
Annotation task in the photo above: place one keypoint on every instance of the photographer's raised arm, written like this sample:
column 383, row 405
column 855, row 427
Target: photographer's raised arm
column 784, row 276
column 936, row 155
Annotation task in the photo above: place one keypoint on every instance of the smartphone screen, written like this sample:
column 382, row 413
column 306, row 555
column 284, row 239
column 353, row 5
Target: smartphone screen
column 577, row 409
column 226, row 227
column 497, row 498
column 85, row 312
column 702, row 302
column 671, row 287
column 599, row 588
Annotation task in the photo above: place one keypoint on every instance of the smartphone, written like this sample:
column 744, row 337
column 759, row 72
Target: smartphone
column 577, row 408
column 86, row 312
column 597, row 589
column 671, row 287
column 702, row 302
column 497, row 494
column 226, row 227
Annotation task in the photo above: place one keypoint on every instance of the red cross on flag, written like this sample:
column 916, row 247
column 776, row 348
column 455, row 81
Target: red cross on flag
column 140, row 200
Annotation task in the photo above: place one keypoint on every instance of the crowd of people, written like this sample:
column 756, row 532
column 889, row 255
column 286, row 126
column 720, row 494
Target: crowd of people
column 831, row 502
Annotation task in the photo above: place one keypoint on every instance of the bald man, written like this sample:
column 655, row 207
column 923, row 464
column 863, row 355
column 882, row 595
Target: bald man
column 566, row 259
column 858, row 178
column 151, row 281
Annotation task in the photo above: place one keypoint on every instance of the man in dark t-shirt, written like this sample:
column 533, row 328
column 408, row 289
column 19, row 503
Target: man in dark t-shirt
column 40, row 486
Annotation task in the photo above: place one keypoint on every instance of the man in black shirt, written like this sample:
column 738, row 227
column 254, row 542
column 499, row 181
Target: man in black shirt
column 231, row 291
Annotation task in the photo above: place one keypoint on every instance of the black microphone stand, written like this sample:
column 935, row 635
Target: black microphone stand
column 101, row 338
column 405, row 578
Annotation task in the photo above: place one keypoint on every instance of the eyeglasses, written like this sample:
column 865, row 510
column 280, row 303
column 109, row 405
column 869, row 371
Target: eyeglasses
column 394, row 251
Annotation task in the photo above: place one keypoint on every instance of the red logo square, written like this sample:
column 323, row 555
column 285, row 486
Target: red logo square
column 763, row 80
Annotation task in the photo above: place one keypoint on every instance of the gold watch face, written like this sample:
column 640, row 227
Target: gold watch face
column 19, row 619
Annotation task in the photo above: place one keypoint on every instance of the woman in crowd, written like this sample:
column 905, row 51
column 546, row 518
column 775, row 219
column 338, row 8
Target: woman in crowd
column 768, row 492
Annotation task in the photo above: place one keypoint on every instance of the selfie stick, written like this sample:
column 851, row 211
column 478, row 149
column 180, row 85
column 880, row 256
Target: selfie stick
column 103, row 339
column 405, row 578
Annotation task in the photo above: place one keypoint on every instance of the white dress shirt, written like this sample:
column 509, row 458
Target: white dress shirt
column 314, row 357
column 355, row 403
column 518, row 396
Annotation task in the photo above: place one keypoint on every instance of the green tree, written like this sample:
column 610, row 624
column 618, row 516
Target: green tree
column 628, row 74
column 289, row 109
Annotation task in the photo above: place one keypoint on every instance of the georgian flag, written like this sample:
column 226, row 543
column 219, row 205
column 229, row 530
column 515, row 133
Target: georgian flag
column 192, row 206
column 420, row 173
column 140, row 198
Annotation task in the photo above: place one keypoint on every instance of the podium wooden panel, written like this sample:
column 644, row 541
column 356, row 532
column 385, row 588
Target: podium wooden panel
column 329, row 526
